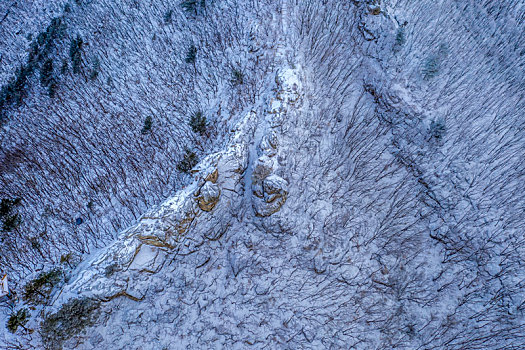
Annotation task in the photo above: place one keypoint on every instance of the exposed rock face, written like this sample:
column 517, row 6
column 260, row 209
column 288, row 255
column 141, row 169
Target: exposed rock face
column 272, row 196
column 329, row 220
column 216, row 191
column 208, row 196
column 270, row 190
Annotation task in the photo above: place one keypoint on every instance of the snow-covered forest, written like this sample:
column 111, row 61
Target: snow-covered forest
column 248, row 174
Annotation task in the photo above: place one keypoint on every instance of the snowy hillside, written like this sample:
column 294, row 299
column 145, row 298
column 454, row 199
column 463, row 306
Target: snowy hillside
column 263, row 174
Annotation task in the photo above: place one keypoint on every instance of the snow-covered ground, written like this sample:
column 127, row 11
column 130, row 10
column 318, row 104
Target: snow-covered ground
column 362, row 188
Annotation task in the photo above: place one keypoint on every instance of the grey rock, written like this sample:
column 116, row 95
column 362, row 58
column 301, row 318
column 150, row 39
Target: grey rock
column 274, row 195
column 208, row 196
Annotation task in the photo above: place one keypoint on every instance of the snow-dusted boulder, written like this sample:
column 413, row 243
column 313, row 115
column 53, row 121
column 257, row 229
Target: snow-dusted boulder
column 274, row 195
column 208, row 196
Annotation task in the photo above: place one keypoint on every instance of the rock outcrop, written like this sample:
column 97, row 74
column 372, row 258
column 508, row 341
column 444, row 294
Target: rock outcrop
column 271, row 197
column 331, row 219
column 215, row 193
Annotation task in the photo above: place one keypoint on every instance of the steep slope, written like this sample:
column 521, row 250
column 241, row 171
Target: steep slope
column 369, row 196
column 126, row 79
